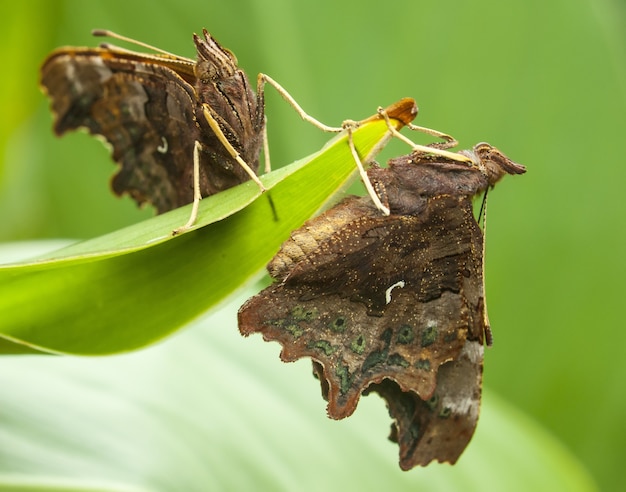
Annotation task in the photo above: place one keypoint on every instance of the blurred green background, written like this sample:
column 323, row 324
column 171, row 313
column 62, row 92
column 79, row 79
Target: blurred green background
column 544, row 81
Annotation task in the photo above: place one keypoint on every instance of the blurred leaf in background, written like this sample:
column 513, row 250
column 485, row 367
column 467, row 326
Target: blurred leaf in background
column 205, row 411
column 544, row 81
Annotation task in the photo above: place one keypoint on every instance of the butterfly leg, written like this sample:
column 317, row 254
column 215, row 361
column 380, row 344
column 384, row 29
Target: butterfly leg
column 197, row 196
column 437, row 149
column 263, row 79
column 266, row 148
column 349, row 126
column 450, row 142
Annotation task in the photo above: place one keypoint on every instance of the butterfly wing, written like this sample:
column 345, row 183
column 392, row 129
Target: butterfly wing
column 381, row 303
column 441, row 427
column 149, row 108
column 145, row 111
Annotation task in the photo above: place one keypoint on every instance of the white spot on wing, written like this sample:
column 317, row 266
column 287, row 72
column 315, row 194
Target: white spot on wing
column 388, row 291
column 474, row 351
column 70, row 73
column 163, row 147
column 467, row 405
column 465, row 401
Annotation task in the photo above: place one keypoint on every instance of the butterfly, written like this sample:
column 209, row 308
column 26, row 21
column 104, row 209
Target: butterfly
column 393, row 304
column 161, row 114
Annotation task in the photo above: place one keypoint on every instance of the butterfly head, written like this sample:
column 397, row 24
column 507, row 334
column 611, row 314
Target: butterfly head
column 493, row 163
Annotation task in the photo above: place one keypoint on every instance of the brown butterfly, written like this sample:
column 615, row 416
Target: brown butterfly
column 393, row 303
column 156, row 111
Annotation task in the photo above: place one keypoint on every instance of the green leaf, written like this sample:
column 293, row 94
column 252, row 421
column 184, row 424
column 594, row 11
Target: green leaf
column 210, row 410
column 137, row 285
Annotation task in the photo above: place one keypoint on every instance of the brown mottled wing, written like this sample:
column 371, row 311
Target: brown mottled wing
column 383, row 302
column 144, row 110
column 441, row 427
column 150, row 110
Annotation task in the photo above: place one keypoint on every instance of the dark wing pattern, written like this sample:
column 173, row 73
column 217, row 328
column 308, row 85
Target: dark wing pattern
column 149, row 108
column 386, row 304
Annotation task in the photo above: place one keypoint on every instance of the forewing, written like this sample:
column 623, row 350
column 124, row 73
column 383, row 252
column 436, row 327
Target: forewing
column 145, row 111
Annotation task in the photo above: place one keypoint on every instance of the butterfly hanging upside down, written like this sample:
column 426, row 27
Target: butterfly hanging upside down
column 393, row 303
